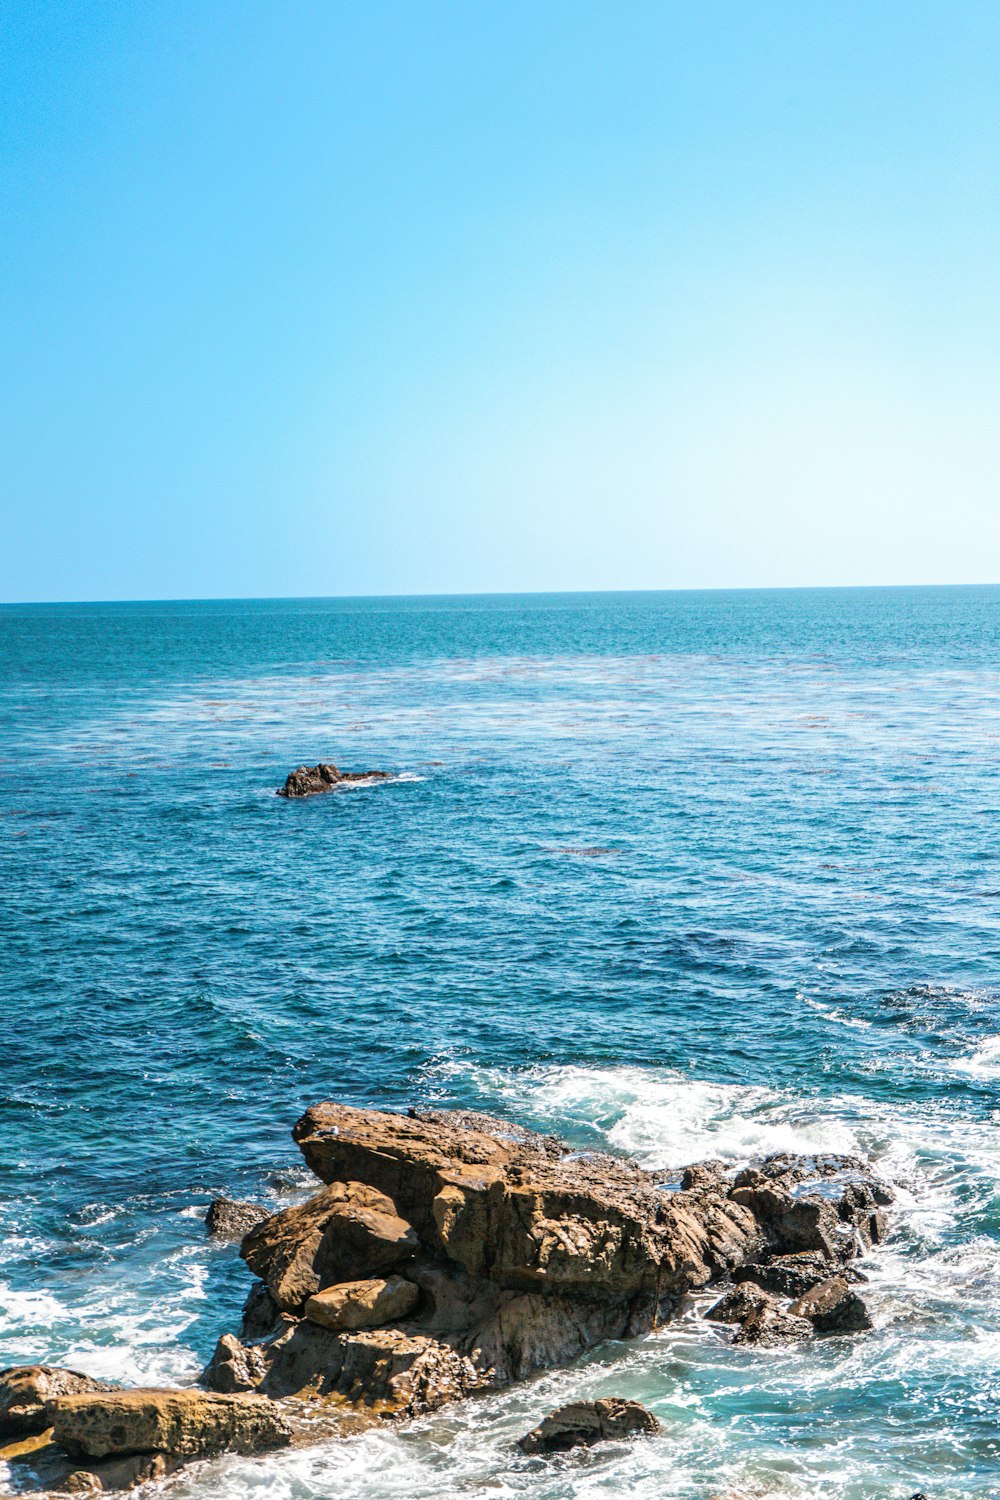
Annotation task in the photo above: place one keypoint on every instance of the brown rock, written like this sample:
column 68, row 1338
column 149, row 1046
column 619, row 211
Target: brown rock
column 235, row 1367
column 580, row 1424
column 28, row 1394
column 833, row 1307
column 346, row 1233
column 524, row 1255
column 308, row 780
column 362, row 1304
column 228, row 1219
column 182, row 1423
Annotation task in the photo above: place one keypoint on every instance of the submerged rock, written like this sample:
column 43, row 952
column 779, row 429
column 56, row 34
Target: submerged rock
column 228, row 1219
column 580, row 1424
column 28, row 1394
column 308, row 780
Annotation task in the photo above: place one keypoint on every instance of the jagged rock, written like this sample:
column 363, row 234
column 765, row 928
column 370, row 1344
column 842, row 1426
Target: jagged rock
column 362, row 1304
column 770, row 1324
column 235, row 1367
column 580, row 1424
column 522, row 1253
column 182, row 1423
column 738, row 1303
column 308, row 780
column 28, row 1394
column 793, row 1275
column 761, row 1320
column 705, row 1177
column 228, row 1219
column 262, row 1316
column 345, row 1233
column 832, row 1307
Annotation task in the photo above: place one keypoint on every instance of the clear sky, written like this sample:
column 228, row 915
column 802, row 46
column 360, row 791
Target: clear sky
column 308, row 297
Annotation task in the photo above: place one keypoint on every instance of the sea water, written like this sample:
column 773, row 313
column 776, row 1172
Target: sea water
column 683, row 875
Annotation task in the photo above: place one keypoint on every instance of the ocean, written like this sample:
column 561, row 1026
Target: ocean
column 680, row 874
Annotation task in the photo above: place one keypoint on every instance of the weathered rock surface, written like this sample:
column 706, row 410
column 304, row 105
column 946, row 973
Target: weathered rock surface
column 793, row 1275
column 28, row 1394
column 308, row 780
column 346, row 1233
column 363, row 1304
column 580, row 1424
column 229, row 1219
column 517, row 1254
column 833, row 1307
column 183, row 1423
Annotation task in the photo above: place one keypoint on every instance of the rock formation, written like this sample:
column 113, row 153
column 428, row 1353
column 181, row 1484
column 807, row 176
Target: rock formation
column 308, row 780
column 449, row 1252
column 228, row 1219
column 580, row 1424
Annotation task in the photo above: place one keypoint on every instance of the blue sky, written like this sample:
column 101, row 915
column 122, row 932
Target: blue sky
column 327, row 298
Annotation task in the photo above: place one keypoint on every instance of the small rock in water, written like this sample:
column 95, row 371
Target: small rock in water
column 308, row 780
column 580, row 1424
column 228, row 1219
column 832, row 1307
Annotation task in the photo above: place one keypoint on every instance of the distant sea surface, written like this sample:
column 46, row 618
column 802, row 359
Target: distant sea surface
column 686, row 875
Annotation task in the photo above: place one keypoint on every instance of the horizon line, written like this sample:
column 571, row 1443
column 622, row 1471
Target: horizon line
column 786, row 588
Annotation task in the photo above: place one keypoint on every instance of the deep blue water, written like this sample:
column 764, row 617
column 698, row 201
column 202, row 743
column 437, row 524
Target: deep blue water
column 705, row 873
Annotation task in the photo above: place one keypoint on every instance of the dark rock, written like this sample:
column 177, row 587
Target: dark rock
column 28, row 1394
column 308, row 780
column 235, row 1367
column 832, row 1307
column 182, row 1423
column 262, row 1316
column 770, row 1324
column 793, row 1275
column 228, row 1219
column 580, row 1424
column 738, row 1303
column 705, row 1177
column 761, row 1320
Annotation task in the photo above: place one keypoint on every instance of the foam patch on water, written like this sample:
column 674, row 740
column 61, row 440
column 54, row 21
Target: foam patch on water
column 984, row 1062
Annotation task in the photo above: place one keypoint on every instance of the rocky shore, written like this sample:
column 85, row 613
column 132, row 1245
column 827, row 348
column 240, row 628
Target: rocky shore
column 449, row 1253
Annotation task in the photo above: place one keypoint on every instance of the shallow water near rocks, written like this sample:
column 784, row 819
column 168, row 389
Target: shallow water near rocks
column 683, row 875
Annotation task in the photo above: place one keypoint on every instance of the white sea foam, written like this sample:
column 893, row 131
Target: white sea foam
column 984, row 1062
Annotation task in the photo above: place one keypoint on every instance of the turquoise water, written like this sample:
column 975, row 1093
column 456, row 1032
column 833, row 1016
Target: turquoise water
column 688, row 874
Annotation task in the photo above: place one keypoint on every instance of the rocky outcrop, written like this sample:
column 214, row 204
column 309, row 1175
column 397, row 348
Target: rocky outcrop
column 98, row 1438
column 228, row 1219
column 182, row 1423
column 29, row 1393
column 508, row 1253
column 308, row 780
column 449, row 1252
column 581, row 1424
